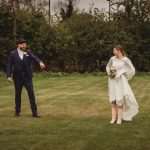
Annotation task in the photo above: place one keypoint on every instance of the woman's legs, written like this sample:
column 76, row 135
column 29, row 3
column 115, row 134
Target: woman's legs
column 119, row 118
column 114, row 112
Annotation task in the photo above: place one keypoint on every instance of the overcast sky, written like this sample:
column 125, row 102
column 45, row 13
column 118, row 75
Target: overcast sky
column 84, row 4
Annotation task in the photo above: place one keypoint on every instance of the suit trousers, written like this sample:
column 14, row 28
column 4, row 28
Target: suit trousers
column 28, row 84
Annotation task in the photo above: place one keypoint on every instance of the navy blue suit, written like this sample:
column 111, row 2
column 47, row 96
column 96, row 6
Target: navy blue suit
column 22, row 75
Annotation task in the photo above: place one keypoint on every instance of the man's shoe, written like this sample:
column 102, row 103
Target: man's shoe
column 17, row 115
column 36, row 116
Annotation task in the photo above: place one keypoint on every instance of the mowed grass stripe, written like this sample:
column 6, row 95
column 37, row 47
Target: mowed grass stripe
column 67, row 100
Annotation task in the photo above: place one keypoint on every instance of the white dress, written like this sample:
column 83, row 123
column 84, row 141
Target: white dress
column 119, row 89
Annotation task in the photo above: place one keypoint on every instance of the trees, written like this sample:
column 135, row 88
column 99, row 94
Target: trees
column 20, row 21
column 64, row 9
column 79, row 41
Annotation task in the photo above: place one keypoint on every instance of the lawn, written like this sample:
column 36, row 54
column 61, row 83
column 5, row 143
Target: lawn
column 75, row 116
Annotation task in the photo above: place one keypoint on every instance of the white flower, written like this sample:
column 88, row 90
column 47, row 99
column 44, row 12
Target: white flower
column 112, row 73
column 25, row 53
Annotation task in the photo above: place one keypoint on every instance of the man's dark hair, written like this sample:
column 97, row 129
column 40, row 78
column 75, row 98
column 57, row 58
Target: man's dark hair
column 21, row 41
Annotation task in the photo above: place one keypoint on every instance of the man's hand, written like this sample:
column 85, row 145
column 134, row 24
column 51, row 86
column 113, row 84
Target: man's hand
column 42, row 66
column 9, row 79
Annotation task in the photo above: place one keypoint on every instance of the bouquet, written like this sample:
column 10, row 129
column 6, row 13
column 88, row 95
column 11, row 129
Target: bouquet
column 112, row 73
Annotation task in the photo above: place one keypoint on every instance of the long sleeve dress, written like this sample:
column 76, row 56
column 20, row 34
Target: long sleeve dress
column 119, row 88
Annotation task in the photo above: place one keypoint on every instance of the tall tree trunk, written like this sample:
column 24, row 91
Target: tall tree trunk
column 49, row 13
column 14, row 19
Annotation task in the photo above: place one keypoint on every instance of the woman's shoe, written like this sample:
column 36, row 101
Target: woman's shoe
column 119, row 118
column 119, row 122
column 114, row 116
column 113, row 121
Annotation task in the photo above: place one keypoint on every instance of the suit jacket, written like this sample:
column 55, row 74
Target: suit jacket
column 14, row 64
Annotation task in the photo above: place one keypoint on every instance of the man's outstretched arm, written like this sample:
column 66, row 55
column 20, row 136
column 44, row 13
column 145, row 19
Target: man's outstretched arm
column 36, row 59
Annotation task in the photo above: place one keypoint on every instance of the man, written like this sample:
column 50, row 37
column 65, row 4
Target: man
column 19, row 65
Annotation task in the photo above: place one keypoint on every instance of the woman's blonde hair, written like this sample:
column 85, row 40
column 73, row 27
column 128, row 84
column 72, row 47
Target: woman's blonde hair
column 120, row 48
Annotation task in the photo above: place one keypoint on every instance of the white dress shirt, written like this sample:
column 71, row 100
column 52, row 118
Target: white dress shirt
column 20, row 54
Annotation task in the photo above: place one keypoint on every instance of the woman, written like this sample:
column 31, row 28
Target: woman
column 120, row 70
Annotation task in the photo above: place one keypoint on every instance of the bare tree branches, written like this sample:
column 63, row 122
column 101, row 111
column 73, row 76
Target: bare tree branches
column 64, row 9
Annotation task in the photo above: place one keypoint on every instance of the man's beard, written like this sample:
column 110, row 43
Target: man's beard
column 22, row 49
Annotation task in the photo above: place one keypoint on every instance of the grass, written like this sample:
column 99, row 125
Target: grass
column 75, row 116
